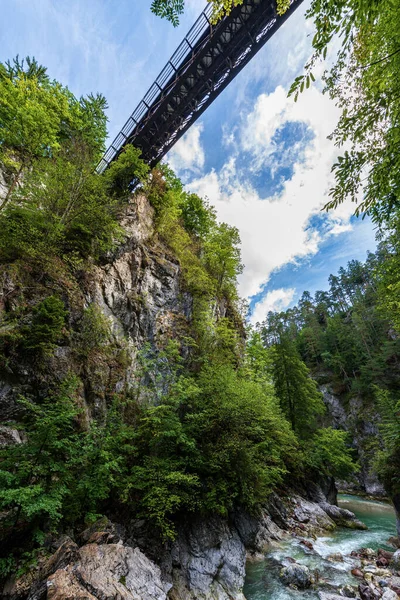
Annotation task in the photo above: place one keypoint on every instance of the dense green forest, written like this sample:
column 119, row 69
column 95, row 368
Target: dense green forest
column 218, row 417
column 347, row 336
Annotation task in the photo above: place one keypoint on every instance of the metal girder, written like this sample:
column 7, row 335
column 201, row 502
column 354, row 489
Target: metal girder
column 206, row 61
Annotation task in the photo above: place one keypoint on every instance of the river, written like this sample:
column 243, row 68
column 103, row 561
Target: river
column 262, row 577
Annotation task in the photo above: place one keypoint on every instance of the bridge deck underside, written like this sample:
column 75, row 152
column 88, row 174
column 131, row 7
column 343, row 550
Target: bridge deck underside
column 204, row 64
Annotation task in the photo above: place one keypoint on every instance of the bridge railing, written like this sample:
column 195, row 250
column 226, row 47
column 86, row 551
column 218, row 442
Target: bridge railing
column 201, row 27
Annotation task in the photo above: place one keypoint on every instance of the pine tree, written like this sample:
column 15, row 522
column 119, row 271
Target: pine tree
column 298, row 394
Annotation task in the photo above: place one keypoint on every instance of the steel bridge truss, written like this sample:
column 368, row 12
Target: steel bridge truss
column 207, row 60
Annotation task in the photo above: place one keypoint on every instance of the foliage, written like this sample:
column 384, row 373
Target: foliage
column 50, row 143
column 94, row 330
column 364, row 83
column 244, row 446
column 168, row 9
column 349, row 333
column 298, row 394
column 60, row 473
column 173, row 9
column 213, row 442
column 45, row 329
column 197, row 215
column 38, row 115
column 35, row 477
column 387, row 462
column 348, row 330
column 328, row 453
column 123, row 173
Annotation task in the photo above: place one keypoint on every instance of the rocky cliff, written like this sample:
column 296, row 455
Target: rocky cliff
column 353, row 416
column 139, row 292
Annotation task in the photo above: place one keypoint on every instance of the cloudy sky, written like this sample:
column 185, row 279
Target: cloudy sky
column 261, row 159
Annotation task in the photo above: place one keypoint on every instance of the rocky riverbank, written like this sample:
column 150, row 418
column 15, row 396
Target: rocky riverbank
column 333, row 565
column 206, row 561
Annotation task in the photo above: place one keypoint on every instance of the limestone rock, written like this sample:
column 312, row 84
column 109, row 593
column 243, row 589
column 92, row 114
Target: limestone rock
column 316, row 517
column 106, row 572
column 297, row 575
column 64, row 586
column 208, row 562
column 66, row 554
column 9, row 436
column 395, row 560
column 342, row 517
column 257, row 534
column 389, row 595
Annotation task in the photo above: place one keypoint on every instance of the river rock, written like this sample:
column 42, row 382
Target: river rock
column 298, row 575
column 348, row 591
column 394, row 583
column 327, row 596
column 385, row 554
column 342, row 517
column 382, row 562
column 336, row 557
column 357, row 573
column 370, row 569
column 395, row 560
column 366, row 553
column 368, row 592
column 307, row 544
column 389, row 595
column 382, row 573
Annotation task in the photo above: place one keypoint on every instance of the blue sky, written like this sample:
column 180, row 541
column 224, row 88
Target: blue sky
column 262, row 160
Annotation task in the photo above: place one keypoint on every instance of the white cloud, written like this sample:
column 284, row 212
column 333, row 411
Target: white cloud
column 275, row 230
column 188, row 153
column 275, row 300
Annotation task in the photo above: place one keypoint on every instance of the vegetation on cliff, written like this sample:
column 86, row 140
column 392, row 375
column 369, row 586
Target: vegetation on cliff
column 198, row 427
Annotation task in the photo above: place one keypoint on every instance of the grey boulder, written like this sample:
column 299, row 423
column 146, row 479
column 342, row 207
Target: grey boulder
column 297, row 575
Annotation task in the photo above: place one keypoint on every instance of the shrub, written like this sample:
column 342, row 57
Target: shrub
column 46, row 327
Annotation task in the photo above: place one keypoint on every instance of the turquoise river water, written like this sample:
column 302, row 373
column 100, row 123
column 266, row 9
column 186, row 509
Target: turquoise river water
column 262, row 579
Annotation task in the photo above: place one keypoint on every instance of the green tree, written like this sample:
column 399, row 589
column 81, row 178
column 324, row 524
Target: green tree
column 298, row 394
column 37, row 115
column 35, row 476
column 222, row 257
column 45, row 329
column 328, row 453
column 387, row 462
column 364, row 83
column 173, row 9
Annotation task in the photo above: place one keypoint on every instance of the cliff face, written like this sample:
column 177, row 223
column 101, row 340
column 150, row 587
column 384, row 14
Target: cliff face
column 362, row 424
column 138, row 290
